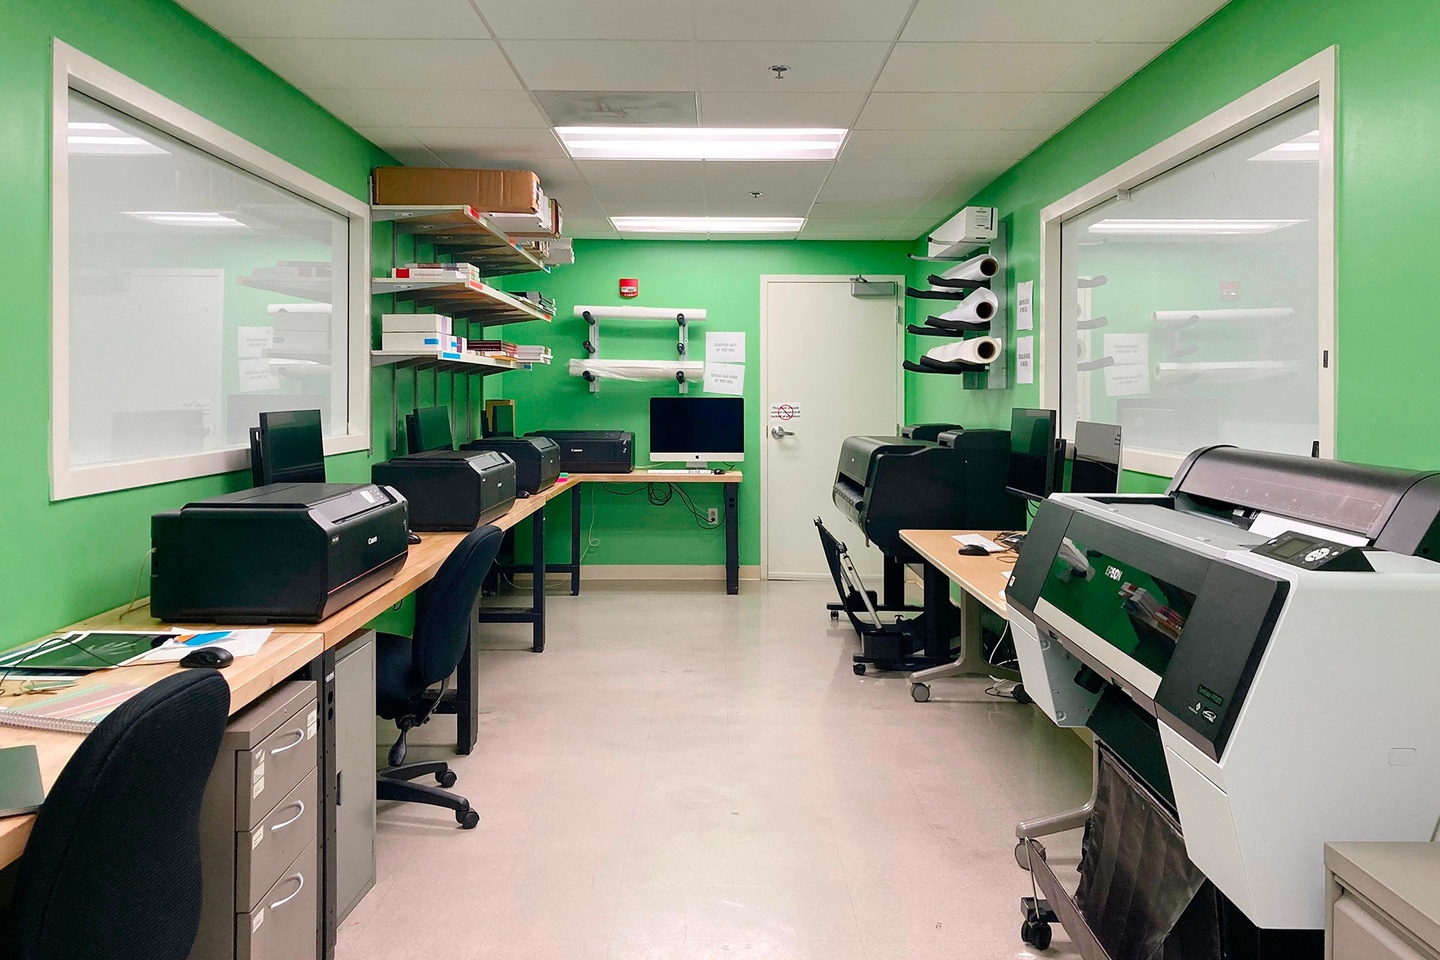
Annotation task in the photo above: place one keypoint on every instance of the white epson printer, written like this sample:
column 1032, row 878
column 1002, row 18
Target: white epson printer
column 1261, row 646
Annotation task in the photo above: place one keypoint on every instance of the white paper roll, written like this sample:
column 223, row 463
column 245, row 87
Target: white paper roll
column 1206, row 316
column 637, row 369
column 980, row 305
column 974, row 350
column 982, row 267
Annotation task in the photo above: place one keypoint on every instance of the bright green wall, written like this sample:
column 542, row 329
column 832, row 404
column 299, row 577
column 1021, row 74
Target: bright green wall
column 1388, row 138
column 724, row 278
column 62, row 561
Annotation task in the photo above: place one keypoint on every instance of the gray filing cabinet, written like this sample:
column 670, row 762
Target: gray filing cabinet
column 355, row 771
column 1382, row 901
column 259, row 833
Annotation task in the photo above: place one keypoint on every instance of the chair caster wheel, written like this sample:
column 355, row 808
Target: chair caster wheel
column 919, row 692
column 1036, row 934
column 834, row 614
column 859, row 669
column 1020, row 695
column 446, row 778
column 1022, row 859
column 469, row 820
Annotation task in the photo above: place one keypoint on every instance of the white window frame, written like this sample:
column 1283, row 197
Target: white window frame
column 74, row 70
column 1311, row 79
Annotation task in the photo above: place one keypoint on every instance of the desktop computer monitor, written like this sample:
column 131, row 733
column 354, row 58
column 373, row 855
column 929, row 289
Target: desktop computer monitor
column 697, row 430
column 287, row 447
column 1032, row 454
column 1097, row 458
column 429, row 429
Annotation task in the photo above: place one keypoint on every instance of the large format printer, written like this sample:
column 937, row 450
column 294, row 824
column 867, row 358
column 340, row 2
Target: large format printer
column 537, row 459
column 1258, row 650
column 593, row 451
column 451, row 489
column 284, row 552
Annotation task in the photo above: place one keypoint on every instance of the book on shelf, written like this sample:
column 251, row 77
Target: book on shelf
column 69, row 711
column 436, row 271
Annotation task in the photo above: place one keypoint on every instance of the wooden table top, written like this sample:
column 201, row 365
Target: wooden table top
column 642, row 475
column 982, row 577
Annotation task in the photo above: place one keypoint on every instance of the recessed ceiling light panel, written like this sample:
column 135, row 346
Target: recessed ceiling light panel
column 708, row 224
column 700, row 143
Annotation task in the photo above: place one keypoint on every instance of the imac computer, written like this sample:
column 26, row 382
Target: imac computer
column 696, row 431
column 287, row 447
column 1096, row 468
column 429, row 429
column 1032, row 454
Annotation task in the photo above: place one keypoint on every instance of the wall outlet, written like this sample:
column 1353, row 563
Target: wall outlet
column 713, row 515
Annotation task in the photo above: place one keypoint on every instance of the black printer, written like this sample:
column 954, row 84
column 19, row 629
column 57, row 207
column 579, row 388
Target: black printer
column 931, row 432
column 451, row 489
column 593, row 451
column 284, row 552
column 537, row 459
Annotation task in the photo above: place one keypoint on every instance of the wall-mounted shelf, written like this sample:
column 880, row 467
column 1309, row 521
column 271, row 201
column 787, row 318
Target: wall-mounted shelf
column 953, row 287
column 468, row 363
column 465, row 234
column 470, row 300
column 682, row 370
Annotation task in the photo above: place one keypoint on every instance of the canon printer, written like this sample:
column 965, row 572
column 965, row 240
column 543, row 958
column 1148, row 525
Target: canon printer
column 286, row 552
column 537, row 459
column 593, row 451
column 451, row 489
column 1257, row 652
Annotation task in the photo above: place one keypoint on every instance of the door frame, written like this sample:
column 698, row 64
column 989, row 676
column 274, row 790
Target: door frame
column 765, row 281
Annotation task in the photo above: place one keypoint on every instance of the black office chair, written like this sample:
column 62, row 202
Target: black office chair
column 406, row 669
column 112, row 867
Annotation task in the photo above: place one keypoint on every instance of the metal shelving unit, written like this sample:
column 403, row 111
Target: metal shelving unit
column 465, row 235
column 471, row 300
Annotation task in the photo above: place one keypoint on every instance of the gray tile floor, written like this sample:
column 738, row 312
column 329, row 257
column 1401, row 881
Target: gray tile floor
column 685, row 775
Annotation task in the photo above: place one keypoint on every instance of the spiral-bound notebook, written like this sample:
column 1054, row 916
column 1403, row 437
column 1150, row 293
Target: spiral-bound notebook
column 69, row 711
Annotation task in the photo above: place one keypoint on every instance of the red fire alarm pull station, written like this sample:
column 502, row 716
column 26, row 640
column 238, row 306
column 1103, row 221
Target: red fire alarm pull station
column 629, row 288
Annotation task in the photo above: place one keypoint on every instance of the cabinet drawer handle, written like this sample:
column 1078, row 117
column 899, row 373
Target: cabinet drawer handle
column 280, row 903
column 299, row 739
column 282, row 826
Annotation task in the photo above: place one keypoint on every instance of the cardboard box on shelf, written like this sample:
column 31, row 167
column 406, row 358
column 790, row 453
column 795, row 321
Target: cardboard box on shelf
column 488, row 191
column 419, row 343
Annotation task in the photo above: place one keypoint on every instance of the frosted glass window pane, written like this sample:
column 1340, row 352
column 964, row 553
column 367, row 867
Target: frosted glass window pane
column 1191, row 309
column 200, row 295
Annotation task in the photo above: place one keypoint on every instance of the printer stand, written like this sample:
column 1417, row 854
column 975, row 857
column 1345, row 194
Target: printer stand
column 892, row 592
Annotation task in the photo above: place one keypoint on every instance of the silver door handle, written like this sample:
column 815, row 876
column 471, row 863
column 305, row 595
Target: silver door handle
column 780, row 433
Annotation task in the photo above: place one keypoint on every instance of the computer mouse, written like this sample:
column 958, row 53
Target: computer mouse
column 717, row 471
column 217, row 657
column 973, row 550
column 412, row 537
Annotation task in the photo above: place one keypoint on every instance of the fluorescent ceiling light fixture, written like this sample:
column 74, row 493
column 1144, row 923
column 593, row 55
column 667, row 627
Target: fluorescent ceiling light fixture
column 700, row 143
column 1187, row 228
column 1303, row 149
column 708, row 224
column 93, row 137
column 185, row 218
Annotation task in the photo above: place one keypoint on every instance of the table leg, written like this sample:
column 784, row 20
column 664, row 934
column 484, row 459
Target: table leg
column 943, row 623
column 467, row 681
column 575, row 540
column 537, row 588
column 732, row 538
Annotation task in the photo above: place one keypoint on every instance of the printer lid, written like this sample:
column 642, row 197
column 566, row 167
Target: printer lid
column 479, row 459
column 542, row 444
column 333, row 501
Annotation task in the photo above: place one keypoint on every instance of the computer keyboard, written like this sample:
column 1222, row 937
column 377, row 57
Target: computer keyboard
column 678, row 473
column 976, row 540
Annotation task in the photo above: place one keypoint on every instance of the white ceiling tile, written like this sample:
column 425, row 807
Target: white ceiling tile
column 902, row 193
column 416, row 157
column 604, row 64
column 391, row 64
column 983, row 67
column 1106, row 66
column 766, row 206
column 915, row 144
column 832, row 67
column 941, row 111
column 694, row 207
column 889, row 211
column 867, row 228
column 482, row 147
column 1162, row 21
column 1011, row 145
column 779, row 109
column 431, row 108
column 1051, row 111
column 1014, row 20
column 665, row 191
column 810, row 20
column 580, row 209
column 589, row 108
column 762, row 175
column 910, row 171
column 438, row 19
column 640, row 171
column 387, row 137
column 588, row 20
column 554, row 171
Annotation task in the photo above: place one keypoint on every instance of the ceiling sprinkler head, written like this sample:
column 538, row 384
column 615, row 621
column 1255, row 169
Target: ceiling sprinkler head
column 756, row 194
column 779, row 69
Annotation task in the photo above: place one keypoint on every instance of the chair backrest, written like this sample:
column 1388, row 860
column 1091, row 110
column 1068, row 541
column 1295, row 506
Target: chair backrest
column 112, row 867
column 444, row 606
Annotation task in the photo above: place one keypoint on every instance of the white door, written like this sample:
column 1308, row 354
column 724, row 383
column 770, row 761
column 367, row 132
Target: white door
column 834, row 361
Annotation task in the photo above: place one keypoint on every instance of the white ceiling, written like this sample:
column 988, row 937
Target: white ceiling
column 941, row 95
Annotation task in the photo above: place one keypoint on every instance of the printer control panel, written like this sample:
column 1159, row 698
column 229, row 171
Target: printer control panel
column 1313, row 553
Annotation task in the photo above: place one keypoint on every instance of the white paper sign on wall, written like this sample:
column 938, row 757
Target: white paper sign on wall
column 725, row 378
column 254, row 341
column 1025, row 305
column 724, row 347
column 1127, row 380
column 783, row 412
column 1128, row 348
column 256, row 375
column 1024, row 359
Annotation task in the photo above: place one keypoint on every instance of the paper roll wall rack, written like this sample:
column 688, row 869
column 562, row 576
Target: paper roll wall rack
column 682, row 370
column 953, row 286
